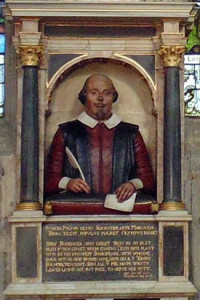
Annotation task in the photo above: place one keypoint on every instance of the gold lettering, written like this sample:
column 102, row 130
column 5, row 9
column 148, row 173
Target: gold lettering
column 125, row 249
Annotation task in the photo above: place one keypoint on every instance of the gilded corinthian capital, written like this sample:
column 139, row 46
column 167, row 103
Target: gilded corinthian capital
column 171, row 55
column 30, row 55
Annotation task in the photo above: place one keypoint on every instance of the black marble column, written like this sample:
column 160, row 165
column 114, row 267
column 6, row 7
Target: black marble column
column 30, row 136
column 30, row 56
column 172, row 57
column 172, row 136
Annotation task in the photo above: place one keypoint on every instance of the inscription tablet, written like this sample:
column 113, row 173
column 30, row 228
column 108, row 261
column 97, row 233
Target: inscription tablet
column 80, row 251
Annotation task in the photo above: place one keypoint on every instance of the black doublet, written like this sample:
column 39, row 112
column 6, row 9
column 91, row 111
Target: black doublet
column 76, row 139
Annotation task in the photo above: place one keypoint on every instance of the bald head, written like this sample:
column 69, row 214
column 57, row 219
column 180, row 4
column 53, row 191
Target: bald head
column 97, row 79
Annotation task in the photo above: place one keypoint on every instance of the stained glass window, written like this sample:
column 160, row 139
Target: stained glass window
column 2, row 55
column 192, row 85
column 192, row 69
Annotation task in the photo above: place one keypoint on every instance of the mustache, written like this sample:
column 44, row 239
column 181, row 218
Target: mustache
column 100, row 104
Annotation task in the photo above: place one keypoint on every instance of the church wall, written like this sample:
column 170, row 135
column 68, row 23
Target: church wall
column 7, row 204
column 192, row 193
column 8, row 162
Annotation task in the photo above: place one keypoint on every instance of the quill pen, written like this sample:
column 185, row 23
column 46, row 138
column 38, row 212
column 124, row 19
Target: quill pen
column 73, row 162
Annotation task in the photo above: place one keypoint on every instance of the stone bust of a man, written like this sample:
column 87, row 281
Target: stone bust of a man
column 111, row 153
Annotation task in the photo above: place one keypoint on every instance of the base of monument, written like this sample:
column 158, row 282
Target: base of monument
column 100, row 256
column 113, row 290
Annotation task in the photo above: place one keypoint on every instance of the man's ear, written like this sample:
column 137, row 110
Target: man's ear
column 82, row 97
column 115, row 96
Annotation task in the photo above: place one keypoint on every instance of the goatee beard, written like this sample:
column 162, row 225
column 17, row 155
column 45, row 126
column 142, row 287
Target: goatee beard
column 101, row 115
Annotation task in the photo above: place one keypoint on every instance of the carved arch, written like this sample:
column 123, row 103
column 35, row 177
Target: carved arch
column 83, row 60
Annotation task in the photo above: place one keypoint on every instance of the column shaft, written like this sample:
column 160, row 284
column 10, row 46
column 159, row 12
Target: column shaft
column 172, row 136
column 30, row 136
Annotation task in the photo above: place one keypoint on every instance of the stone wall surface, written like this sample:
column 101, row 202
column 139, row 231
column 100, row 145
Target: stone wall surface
column 7, row 198
column 192, row 192
column 7, row 204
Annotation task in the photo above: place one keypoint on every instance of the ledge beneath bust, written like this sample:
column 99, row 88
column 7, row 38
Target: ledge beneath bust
column 95, row 289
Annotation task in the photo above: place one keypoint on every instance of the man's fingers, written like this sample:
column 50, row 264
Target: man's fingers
column 85, row 189
column 76, row 189
column 84, row 186
column 78, row 186
column 79, row 189
column 119, row 193
column 124, row 191
column 127, row 195
column 123, row 194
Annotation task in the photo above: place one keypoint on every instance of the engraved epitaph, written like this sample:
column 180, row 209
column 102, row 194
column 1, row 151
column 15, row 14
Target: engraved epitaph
column 100, row 251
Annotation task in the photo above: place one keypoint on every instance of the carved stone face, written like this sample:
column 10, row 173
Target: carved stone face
column 99, row 97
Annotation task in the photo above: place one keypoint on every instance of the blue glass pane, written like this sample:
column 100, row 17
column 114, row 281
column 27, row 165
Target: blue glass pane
column 1, row 73
column 2, row 43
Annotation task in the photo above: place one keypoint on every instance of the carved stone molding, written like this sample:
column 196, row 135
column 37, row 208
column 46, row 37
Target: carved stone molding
column 30, row 55
column 29, row 39
column 171, row 55
column 106, row 8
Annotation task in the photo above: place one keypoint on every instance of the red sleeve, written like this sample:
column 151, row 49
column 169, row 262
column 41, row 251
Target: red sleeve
column 55, row 162
column 143, row 166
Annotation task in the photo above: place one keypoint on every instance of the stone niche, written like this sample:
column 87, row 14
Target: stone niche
column 133, row 83
column 124, row 256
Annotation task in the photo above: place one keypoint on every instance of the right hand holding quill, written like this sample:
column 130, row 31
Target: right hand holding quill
column 78, row 185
